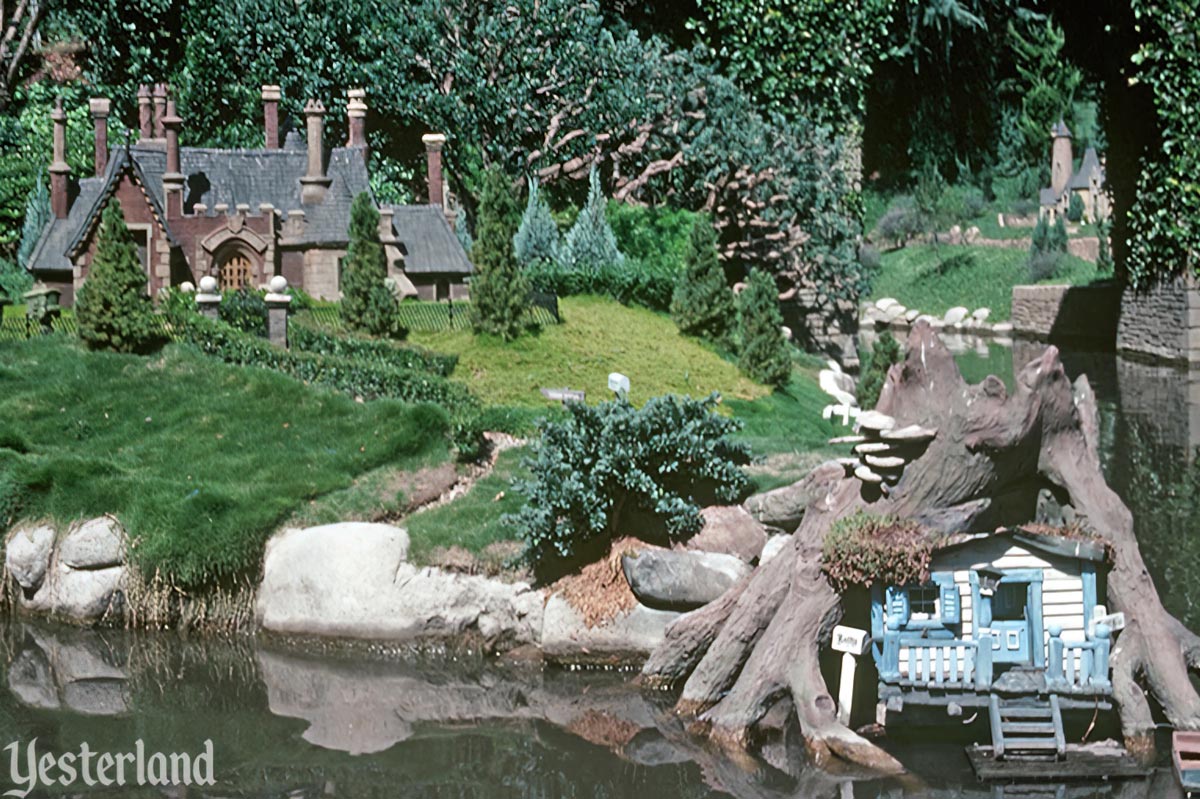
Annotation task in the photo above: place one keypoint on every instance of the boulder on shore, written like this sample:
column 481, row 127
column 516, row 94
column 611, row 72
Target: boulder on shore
column 729, row 530
column 673, row 580
column 79, row 577
column 27, row 555
column 352, row 580
column 628, row 637
column 784, row 507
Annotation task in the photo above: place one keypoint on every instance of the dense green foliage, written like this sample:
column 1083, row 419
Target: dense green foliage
column 703, row 304
column 200, row 461
column 1164, row 222
column 613, row 469
column 1075, row 207
column 884, row 353
column 244, row 309
column 1047, row 249
column 14, row 282
column 590, row 243
column 537, row 240
column 368, row 305
column 366, row 375
column 630, row 282
column 865, row 550
column 499, row 292
column 304, row 337
column 112, row 306
column 763, row 351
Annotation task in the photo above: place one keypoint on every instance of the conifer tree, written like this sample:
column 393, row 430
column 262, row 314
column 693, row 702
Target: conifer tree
column 537, row 238
column 37, row 214
column 499, row 292
column 764, row 349
column 591, row 243
column 113, row 309
column 368, row 304
column 462, row 229
column 703, row 305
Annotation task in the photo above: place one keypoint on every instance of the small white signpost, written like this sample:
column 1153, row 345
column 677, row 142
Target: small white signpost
column 1114, row 621
column 851, row 642
column 618, row 383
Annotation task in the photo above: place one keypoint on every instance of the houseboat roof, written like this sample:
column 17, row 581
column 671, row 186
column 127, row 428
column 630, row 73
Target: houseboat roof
column 1063, row 546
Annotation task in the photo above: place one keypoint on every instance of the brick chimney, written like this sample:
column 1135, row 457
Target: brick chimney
column 100, row 108
column 434, row 142
column 173, row 178
column 160, row 107
column 356, row 114
column 271, row 95
column 145, row 125
column 59, row 171
column 314, row 183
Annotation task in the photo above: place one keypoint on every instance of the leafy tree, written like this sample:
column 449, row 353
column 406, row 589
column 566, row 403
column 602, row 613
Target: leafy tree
column 18, row 23
column 537, row 238
column 703, row 304
column 14, row 281
column 590, row 243
column 37, row 214
column 499, row 292
column 611, row 469
column 764, row 350
column 367, row 303
column 1046, row 80
column 112, row 307
column 875, row 364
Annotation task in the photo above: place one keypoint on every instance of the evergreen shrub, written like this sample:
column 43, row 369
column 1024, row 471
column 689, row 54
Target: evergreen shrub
column 875, row 364
column 499, row 291
column 702, row 304
column 112, row 307
column 764, row 353
column 368, row 305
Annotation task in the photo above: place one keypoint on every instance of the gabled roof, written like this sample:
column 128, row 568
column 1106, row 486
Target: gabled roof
column 1048, row 196
column 428, row 243
column 1087, row 168
column 1060, row 129
column 1082, row 548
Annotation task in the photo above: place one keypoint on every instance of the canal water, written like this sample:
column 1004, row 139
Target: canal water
column 283, row 724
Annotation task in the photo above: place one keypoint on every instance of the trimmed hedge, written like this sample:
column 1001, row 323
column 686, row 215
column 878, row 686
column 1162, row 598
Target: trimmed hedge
column 308, row 339
column 358, row 376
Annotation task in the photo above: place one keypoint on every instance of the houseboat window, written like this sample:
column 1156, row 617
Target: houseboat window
column 1009, row 602
column 923, row 601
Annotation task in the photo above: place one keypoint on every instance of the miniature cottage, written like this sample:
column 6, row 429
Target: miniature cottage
column 1087, row 182
column 241, row 216
column 1011, row 612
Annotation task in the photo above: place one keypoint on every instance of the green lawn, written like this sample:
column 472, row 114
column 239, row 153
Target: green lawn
column 201, row 461
column 911, row 275
column 473, row 520
column 597, row 336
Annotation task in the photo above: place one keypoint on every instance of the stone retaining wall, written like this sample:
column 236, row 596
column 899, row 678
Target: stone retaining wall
column 1081, row 315
column 1163, row 322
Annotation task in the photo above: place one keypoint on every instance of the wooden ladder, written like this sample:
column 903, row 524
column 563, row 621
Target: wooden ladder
column 1027, row 728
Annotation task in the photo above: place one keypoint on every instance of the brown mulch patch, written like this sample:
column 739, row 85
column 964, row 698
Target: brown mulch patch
column 599, row 590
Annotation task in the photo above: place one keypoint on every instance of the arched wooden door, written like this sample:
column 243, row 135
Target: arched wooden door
column 235, row 273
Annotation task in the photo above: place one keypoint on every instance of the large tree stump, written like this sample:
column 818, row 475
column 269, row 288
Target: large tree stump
column 994, row 452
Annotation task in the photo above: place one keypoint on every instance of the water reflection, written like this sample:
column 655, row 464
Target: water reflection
column 298, row 726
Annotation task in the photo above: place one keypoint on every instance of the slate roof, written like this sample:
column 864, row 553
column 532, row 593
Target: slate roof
column 428, row 243
column 1089, row 166
column 1048, row 196
column 254, row 177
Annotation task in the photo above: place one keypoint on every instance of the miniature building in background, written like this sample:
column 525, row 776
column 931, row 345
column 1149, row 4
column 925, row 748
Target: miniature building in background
column 1065, row 181
column 241, row 216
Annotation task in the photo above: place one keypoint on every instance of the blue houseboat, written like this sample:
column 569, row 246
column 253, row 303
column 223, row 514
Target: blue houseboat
column 1006, row 622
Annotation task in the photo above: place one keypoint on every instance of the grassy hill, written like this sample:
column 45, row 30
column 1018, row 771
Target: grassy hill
column 916, row 277
column 597, row 336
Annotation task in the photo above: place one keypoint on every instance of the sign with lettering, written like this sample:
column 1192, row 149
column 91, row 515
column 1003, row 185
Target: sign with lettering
column 1114, row 621
column 850, row 640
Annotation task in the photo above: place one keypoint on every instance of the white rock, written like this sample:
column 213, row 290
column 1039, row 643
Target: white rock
column 1002, row 327
column 894, row 312
column 94, row 544
column 885, row 303
column 27, row 554
column 981, row 314
column 955, row 315
column 912, row 314
column 351, row 580
column 775, row 545
column 787, row 332
column 629, row 636
column 84, row 594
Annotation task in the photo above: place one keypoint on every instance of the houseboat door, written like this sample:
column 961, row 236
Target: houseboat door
column 1011, row 625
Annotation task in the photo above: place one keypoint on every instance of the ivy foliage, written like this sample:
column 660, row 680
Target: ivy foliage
column 112, row 307
column 537, row 239
column 368, row 305
column 499, row 292
column 865, row 550
column 612, row 469
column 703, row 304
column 764, row 351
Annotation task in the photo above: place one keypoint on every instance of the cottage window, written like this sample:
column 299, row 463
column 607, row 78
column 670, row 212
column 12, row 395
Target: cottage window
column 923, row 602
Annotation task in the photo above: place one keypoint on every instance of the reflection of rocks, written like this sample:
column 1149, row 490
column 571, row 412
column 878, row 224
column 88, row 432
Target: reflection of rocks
column 362, row 708
column 69, row 670
column 80, row 578
column 352, row 580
